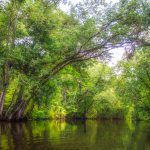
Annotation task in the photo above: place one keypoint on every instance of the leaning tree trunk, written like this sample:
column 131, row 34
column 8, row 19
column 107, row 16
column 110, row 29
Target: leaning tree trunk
column 10, row 107
column 2, row 98
column 18, row 114
column 16, row 110
column 19, row 110
column 5, row 78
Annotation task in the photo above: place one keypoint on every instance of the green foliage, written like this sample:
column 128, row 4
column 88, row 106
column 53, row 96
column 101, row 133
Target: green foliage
column 133, row 84
column 52, row 62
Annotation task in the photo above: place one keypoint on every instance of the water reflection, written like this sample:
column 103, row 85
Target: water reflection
column 61, row 135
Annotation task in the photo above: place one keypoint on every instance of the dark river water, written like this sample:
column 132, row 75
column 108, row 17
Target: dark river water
column 61, row 135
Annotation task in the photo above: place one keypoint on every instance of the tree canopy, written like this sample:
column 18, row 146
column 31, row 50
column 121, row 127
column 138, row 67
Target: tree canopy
column 56, row 60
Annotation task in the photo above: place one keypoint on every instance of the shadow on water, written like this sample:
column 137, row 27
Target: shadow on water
column 75, row 135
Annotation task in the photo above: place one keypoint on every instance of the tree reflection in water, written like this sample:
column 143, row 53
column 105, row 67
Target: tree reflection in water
column 78, row 135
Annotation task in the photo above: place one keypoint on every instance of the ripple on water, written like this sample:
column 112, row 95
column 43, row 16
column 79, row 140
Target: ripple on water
column 92, row 135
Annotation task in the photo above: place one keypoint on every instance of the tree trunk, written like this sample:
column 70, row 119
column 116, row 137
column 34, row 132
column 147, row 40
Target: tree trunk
column 5, row 77
column 17, row 114
column 16, row 108
column 8, row 112
column 2, row 98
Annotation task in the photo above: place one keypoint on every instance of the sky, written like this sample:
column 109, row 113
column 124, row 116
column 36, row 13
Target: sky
column 117, row 53
column 66, row 8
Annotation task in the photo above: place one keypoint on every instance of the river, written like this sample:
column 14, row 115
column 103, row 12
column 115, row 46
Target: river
column 75, row 135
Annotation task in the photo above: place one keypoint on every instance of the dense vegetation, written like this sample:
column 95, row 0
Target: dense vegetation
column 53, row 64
